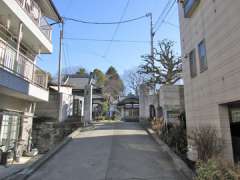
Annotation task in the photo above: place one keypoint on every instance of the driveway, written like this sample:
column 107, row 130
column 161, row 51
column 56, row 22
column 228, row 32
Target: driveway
column 113, row 151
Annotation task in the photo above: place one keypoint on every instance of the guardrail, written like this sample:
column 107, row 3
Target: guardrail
column 35, row 13
column 21, row 66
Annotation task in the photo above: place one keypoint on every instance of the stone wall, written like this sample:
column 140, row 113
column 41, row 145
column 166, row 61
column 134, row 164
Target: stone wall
column 47, row 133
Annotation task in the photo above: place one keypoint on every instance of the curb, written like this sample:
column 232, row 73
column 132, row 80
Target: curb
column 28, row 171
column 178, row 162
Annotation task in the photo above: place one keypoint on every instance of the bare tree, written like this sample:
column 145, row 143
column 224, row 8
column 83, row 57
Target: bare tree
column 134, row 79
column 165, row 66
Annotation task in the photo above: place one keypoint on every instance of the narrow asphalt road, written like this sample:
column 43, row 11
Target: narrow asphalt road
column 113, row 151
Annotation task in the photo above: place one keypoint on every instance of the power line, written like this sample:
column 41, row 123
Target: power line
column 65, row 61
column 171, row 24
column 107, row 40
column 104, row 23
column 165, row 16
column 116, row 29
column 162, row 13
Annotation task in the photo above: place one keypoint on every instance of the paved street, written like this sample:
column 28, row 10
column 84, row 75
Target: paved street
column 113, row 151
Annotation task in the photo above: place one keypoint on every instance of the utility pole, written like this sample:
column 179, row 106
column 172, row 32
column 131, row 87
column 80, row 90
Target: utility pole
column 59, row 73
column 151, row 34
column 60, row 56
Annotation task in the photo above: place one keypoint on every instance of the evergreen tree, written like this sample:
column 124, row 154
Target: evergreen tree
column 113, row 86
column 100, row 77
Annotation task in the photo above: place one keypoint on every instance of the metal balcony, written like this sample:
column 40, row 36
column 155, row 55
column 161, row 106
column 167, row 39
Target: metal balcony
column 21, row 66
column 35, row 13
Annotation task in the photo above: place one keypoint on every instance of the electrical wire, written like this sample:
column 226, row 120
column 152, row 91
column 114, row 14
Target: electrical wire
column 104, row 23
column 162, row 13
column 165, row 16
column 171, row 24
column 68, row 57
column 65, row 62
column 107, row 40
column 116, row 29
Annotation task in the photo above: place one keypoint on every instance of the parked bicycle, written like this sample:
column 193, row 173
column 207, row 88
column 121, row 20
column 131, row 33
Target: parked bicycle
column 8, row 154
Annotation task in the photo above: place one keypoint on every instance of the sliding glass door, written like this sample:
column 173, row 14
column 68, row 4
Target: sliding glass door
column 9, row 130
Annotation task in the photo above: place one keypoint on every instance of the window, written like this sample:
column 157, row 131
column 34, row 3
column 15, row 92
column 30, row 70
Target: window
column 192, row 63
column 202, row 56
column 189, row 7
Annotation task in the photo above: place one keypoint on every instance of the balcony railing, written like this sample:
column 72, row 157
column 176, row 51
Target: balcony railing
column 34, row 12
column 22, row 67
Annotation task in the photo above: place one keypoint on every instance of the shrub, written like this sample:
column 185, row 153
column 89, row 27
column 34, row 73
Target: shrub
column 216, row 169
column 207, row 143
column 175, row 137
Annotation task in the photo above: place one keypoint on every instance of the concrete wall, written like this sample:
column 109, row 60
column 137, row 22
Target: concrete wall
column 169, row 97
column 51, row 109
column 172, row 102
column 205, row 95
column 15, row 104
column 145, row 100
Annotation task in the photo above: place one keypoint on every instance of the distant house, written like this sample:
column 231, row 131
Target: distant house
column 79, row 83
column 129, row 108
column 61, row 106
column 24, row 33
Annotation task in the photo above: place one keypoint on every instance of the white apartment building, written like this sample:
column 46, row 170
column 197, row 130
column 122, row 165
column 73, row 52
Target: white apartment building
column 24, row 34
column 210, row 42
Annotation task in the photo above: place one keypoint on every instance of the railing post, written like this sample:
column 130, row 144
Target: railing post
column 4, row 54
column 18, row 42
column 24, row 2
column 46, row 82
column 33, row 73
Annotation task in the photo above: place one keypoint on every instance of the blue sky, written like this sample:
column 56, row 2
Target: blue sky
column 122, row 56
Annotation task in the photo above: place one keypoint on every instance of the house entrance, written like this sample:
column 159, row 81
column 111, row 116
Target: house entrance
column 234, row 111
column 9, row 129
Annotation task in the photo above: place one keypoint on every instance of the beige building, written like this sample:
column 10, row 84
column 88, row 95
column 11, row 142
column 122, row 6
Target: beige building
column 210, row 41
column 24, row 34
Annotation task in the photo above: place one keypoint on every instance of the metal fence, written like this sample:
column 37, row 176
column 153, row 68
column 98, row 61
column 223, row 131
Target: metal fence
column 21, row 66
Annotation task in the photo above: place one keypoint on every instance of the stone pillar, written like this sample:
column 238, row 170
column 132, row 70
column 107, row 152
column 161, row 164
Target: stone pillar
column 87, row 105
column 26, row 130
column 143, row 104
